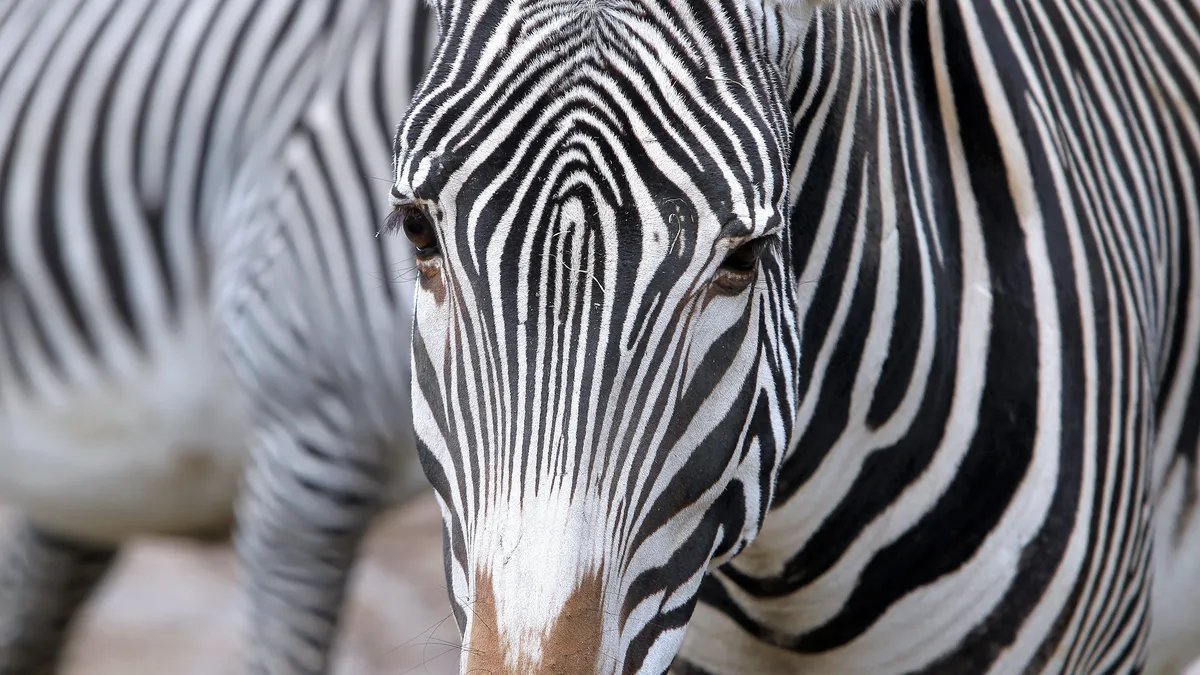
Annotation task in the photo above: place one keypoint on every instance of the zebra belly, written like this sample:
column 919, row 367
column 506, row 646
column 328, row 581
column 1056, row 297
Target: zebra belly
column 155, row 448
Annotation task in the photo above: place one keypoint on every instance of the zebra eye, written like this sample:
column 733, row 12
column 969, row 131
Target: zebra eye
column 417, row 227
column 740, row 267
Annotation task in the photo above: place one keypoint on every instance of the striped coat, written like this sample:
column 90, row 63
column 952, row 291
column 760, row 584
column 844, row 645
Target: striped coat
column 795, row 337
column 147, row 147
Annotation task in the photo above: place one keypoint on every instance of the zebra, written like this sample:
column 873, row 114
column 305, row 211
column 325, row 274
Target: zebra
column 786, row 336
column 132, row 134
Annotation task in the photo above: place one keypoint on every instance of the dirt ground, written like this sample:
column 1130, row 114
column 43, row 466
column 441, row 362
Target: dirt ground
column 171, row 609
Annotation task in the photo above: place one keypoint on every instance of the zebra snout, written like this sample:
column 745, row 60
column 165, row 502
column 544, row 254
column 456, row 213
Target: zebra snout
column 568, row 643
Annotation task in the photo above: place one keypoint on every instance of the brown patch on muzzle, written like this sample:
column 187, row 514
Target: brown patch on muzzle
column 570, row 644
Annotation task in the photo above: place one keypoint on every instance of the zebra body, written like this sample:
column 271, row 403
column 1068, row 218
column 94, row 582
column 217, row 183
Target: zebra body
column 1082, row 268
column 798, row 337
column 138, row 142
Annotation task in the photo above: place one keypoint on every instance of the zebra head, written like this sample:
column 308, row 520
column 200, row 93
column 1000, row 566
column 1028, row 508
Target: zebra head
column 604, row 348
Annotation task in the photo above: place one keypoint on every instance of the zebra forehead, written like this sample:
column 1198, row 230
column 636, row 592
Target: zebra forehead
column 849, row 4
column 799, row 9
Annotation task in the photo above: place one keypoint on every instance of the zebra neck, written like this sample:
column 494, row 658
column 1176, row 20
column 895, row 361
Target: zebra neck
column 873, row 255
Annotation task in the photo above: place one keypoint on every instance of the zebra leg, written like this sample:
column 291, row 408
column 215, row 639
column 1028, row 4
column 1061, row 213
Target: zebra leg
column 44, row 579
column 307, row 505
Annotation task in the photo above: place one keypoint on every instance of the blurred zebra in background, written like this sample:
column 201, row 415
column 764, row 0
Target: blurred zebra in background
column 155, row 154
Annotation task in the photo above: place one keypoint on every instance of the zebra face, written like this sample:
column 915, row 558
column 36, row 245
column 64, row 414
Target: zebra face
column 604, row 353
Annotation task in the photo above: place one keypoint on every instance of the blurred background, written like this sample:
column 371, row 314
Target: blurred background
column 171, row 607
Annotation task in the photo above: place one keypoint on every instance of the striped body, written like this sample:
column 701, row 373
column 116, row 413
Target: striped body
column 858, row 338
column 139, row 143
column 1000, row 350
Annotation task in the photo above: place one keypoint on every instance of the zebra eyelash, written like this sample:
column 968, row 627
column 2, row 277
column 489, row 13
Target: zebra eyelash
column 768, row 242
column 393, row 222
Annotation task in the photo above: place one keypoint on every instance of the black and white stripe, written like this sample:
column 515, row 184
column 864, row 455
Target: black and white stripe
column 963, row 378
column 145, row 146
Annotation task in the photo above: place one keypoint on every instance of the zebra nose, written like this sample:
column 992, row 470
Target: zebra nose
column 569, row 643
